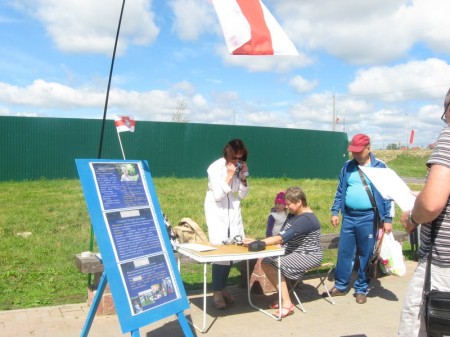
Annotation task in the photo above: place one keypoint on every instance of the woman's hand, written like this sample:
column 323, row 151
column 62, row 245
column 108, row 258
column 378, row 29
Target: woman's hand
column 231, row 169
column 247, row 241
column 244, row 171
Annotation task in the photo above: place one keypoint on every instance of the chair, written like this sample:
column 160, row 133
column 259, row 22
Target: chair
column 292, row 284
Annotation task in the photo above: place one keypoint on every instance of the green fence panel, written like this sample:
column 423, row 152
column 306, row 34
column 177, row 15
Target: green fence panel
column 32, row 148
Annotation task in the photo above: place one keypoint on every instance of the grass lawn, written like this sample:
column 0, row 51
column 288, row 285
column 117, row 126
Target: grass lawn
column 44, row 223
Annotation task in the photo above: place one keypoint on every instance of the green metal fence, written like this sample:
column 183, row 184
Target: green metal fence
column 32, row 148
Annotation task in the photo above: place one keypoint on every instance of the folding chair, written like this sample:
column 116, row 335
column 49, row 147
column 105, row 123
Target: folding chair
column 322, row 277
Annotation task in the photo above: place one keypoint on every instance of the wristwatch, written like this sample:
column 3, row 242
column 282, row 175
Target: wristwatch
column 411, row 219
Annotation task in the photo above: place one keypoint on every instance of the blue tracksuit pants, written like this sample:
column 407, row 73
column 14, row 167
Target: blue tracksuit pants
column 357, row 236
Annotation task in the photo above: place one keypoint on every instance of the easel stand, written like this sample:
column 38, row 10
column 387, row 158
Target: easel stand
column 134, row 333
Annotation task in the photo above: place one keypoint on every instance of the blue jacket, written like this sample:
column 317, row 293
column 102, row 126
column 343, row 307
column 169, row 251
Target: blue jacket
column 385, row 206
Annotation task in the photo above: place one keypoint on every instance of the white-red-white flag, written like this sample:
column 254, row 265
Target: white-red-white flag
column 411, row 138
column 124, row 123
column 250, row 29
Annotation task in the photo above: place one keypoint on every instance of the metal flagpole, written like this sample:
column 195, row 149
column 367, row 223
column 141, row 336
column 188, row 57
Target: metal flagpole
column 121, row 147
column 91, row 243
column 109, row 82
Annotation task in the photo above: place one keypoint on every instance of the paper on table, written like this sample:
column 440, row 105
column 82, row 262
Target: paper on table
column 197, row 247
column 391, row 186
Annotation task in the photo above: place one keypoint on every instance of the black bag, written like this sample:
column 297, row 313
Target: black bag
column 372, row 266
column 437, row 313
column 437, row 303
column 256, row 246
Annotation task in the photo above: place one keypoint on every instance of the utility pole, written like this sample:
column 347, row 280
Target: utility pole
column 407, row 127
column 334, row 112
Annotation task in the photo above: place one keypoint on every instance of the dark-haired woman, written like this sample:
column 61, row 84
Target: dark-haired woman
column 227, row 186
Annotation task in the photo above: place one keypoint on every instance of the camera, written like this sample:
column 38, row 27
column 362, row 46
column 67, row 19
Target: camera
column 236, row 240
column 239, row 168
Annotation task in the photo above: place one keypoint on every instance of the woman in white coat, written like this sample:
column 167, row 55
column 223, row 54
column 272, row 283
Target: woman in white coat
column 227, row 185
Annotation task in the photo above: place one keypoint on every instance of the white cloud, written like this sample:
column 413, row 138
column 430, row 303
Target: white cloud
column 366, row 32
column 85, row 26
column 279, row 64
column 267, row 118
column 57, row 97
column 302, row 85
column 4, row 111
column 432, row 18
column 192, row 18
column 185, row 86
column 429, row 78
column 49, row 95
column 199, row 101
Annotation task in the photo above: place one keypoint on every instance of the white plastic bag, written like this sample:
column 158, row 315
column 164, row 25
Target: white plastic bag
column 391, row 256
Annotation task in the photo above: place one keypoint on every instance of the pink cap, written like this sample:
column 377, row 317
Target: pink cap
column 279, row 199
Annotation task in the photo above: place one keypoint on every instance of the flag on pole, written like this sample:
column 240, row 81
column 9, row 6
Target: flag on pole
column 411, row 138
column 124, row 123
column 250, row 29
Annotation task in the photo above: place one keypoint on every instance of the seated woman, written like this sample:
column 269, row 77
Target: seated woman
column 300, row 236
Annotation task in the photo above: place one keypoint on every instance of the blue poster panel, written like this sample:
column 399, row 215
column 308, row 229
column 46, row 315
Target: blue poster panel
column 129, row 228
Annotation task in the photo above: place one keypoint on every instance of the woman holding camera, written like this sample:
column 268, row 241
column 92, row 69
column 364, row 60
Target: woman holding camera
column 227, row 185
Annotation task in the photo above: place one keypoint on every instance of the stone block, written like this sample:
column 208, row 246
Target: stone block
column 106, row 305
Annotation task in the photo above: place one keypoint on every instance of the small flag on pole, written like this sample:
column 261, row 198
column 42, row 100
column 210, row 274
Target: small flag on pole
column 124, row 123
column 411, row 138
column 250, row 29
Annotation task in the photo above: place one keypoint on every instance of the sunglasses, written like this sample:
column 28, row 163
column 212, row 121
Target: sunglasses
column 236, row 158
column 443, row 117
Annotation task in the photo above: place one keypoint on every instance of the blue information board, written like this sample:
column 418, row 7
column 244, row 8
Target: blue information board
column 137, row 255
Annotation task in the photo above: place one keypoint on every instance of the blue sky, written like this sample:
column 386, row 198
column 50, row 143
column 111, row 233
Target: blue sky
column 385, row 62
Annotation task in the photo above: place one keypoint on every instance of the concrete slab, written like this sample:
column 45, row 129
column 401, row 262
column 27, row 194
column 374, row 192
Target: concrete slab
column 379, row 317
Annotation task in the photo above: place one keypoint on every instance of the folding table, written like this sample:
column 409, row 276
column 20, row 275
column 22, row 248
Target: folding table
column 230, row 253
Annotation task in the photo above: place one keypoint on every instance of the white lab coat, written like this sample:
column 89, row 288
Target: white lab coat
column 222, row 204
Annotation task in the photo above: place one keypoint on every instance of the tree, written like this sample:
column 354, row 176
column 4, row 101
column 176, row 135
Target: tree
column 180, row 109
column 393, row 146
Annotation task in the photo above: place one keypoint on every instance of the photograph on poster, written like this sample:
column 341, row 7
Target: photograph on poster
column 129, row 172
column 120, row 186
column 149, row 283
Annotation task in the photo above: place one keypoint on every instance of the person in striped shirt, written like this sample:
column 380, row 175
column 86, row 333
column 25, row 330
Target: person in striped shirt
column 300, row 236
column 431, row 210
